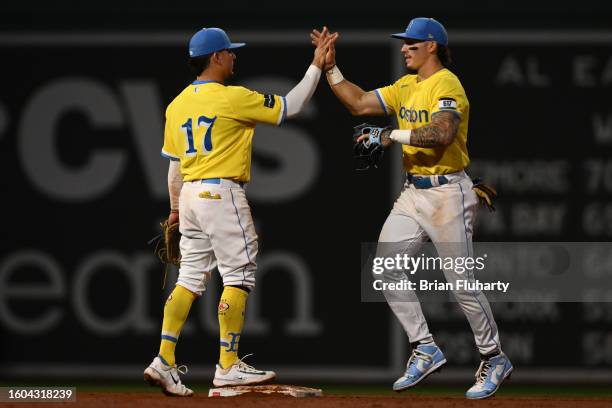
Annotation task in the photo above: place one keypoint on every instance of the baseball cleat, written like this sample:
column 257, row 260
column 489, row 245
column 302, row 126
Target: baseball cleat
column 241, row 373
column 167, row 378
column 489, row 376
column 424, row 361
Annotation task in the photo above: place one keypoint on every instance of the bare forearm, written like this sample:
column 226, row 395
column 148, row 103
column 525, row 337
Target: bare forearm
column 350, row 95
column 440, row 132
column 428, row 136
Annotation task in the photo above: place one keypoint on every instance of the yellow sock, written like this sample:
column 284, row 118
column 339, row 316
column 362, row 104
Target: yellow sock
column 231, row 320
column 175, row 313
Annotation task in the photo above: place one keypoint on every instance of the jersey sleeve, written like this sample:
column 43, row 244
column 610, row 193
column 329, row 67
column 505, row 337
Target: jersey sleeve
column 169, row 149
column 255, row 107
column 388, row 98
column 448, row 96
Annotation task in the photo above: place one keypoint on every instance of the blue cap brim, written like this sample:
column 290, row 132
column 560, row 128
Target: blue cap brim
column 403, row 36
column 236, row 45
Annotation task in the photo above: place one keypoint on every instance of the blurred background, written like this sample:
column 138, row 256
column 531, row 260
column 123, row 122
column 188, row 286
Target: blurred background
column 84, row 88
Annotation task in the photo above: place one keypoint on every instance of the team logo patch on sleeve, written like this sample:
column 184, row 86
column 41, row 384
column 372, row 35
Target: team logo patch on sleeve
column 269, row 101
column 447, row 103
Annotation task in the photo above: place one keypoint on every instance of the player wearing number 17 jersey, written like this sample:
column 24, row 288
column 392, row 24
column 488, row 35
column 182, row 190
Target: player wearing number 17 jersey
column 230, row 113
column 208, row 137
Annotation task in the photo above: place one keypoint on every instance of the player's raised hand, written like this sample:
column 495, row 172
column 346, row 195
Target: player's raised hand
column 319, row 53
column 323, row 48
column 316, row 37
column 330, row 56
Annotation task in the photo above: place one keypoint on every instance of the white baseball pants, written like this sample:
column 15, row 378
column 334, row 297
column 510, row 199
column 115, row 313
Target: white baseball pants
column 443, row 214
column 217, row 231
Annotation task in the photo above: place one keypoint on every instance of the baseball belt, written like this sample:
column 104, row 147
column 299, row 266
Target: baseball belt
column 423, row 182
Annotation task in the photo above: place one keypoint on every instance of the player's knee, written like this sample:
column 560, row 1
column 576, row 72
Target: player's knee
column 246, row 285
column 243, row 276
column 196, row 287
column 247, row 289
column 193, row 280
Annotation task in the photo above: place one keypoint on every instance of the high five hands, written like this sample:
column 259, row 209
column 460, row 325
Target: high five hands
column 325, row 41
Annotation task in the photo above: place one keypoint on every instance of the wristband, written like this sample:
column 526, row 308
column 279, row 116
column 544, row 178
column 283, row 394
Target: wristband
column 334, row 76
column 401, row 136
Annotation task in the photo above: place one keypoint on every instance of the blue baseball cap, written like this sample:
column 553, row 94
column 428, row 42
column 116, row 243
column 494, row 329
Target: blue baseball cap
column 424, row 29
column 209, row 40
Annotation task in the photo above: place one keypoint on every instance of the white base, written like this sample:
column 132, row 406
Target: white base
column 292, row 390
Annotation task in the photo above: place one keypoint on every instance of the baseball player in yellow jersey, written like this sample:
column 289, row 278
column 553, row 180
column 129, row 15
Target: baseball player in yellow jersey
column 437, row 202
column 208, row 135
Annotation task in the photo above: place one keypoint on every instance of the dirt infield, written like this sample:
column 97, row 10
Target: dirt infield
column 153, row 400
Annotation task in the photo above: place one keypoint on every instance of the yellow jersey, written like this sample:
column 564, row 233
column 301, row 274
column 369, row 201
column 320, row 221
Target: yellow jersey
column 210, row 127
column 414, row 103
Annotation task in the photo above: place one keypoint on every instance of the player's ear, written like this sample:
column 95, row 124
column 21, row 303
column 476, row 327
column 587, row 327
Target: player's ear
column 216, row 57
column 432, row 47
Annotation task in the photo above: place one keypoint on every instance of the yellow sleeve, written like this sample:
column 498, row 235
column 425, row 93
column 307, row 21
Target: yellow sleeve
column 169, row 149
column 388, row 97
column 255, row 107
column 448, row 96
